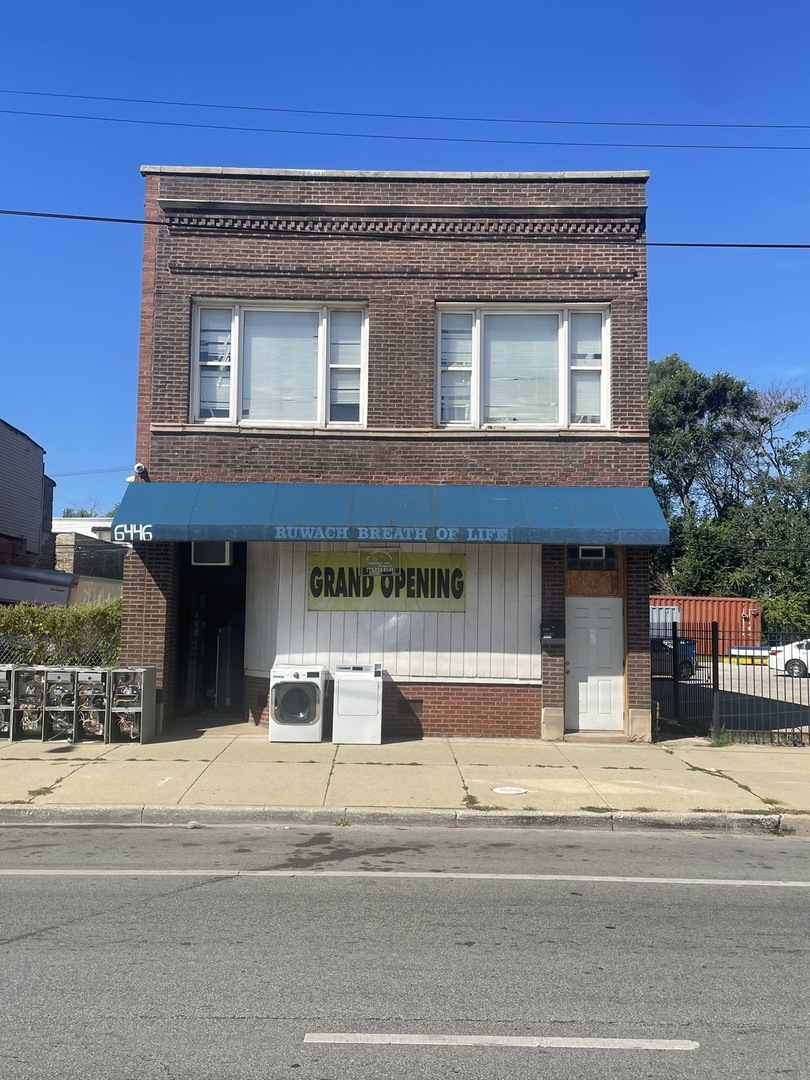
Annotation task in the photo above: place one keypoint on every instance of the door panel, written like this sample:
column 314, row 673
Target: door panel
column 594, row 664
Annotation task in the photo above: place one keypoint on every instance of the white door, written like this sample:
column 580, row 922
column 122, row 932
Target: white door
column 594, row 664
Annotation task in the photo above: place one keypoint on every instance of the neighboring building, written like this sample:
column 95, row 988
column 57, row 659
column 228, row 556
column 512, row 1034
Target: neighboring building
column 84, row 548
column 26, row 507
column 405, row 414
column 100, row 528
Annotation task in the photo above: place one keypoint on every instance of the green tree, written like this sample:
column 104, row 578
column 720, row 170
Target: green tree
column 701, row 437
column 733, row 484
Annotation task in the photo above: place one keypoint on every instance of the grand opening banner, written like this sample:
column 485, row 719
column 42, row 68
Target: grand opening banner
column 409, row 581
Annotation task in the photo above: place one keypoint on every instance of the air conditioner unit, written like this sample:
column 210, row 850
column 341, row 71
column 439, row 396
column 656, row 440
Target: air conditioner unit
column 211, row 553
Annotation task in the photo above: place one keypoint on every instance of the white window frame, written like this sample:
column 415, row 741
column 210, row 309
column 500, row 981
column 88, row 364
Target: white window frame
column 238, row 309
column 565, row 367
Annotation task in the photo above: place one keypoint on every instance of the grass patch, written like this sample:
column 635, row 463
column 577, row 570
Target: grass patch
column 597, row 809
column 472, row 803
column 723, row 739
column 771, row 802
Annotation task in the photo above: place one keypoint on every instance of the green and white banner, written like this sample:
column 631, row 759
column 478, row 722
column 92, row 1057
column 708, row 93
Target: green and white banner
column 385, row 580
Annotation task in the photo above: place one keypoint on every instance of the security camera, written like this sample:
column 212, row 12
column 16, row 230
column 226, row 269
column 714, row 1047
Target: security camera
column 140, row 468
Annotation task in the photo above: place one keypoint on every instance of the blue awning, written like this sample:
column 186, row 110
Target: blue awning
column 390, row 513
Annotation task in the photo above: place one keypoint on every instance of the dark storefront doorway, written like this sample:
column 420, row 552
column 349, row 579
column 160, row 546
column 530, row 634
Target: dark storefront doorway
column 211, row 633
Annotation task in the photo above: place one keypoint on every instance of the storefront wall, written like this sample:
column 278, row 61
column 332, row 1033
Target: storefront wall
column 496, row 637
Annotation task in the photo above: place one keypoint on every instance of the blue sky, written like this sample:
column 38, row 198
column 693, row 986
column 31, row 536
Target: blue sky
column 70, row 290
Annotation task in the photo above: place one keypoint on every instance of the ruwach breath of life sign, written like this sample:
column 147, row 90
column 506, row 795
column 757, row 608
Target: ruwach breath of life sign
column 340, row 581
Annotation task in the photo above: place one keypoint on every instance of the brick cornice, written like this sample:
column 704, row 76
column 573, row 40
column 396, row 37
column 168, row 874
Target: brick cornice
column 404, row 222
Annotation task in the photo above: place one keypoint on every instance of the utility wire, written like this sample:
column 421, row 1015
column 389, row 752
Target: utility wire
column 398, row 138
column 410, row 116
column 92, row 472
column 252, row 232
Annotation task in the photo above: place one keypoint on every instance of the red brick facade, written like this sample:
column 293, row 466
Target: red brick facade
column 400, row 245
column 418, row 710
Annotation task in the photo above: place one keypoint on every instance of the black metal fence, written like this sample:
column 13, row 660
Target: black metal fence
column 706, row 682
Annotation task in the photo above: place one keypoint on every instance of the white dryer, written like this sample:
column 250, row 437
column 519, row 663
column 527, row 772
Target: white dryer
column 357, row 706
column 296, row 702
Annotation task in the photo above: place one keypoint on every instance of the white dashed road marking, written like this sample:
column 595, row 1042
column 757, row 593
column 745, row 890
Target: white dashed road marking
column 429, row 875
column 534, row 1042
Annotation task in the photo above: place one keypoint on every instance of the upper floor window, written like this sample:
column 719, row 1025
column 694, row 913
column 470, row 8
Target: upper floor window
column 522, row 366
column 279, row 364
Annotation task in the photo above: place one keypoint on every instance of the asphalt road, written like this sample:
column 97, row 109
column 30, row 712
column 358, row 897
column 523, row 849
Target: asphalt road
column 219, row 953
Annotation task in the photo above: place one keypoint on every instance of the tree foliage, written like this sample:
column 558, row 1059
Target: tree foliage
column 733, row 479
column 91, row 508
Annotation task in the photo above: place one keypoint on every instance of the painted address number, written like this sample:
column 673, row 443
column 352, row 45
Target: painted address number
column 130, row 533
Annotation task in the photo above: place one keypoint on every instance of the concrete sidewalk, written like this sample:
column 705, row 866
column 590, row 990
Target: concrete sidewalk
column 231, row 773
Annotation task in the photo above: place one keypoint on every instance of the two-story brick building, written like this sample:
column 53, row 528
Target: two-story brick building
column 406, row 415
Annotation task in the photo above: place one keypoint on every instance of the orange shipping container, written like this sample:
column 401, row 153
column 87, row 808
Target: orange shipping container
column 739, row 620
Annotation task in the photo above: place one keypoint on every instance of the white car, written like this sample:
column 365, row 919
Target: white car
column 792, row 659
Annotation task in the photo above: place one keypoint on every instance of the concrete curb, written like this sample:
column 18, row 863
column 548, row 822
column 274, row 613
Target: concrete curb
column 795, row 825
column 698, row 822
column 610, row 821
column 70, row 815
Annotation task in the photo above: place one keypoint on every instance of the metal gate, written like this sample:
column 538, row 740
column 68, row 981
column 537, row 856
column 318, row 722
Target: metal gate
column 706, row 683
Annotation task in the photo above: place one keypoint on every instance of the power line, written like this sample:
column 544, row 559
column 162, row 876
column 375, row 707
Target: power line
column 410, row 116
column 399, row 138
column 252, row 232
column 92, row 472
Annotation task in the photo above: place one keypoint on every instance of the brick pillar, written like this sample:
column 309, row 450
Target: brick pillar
column 553, row 607
column 149, row 623
column 638, row 645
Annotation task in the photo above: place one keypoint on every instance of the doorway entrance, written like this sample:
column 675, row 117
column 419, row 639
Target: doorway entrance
column 210, row 639
column 594, row 663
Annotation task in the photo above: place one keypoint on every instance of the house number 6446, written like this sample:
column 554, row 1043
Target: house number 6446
column 130, row 533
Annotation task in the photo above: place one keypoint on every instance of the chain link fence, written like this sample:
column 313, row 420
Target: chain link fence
column 88, row 635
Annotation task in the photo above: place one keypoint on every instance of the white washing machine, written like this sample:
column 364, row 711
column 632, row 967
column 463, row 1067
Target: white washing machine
column 357, row 705
column 296, row 702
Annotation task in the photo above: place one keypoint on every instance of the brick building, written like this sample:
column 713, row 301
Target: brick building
column 406, row 416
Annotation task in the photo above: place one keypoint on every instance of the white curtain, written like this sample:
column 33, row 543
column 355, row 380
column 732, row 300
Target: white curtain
column 280, row 365
column 345, row 356
column 215, row 362
column 585, row 335
column 456, row 367
column 521, row 369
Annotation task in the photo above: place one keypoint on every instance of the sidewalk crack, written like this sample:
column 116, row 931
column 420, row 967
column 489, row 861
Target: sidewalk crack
column 331, row 774
column 725, row 776
column 202, row 772
column 464, row 787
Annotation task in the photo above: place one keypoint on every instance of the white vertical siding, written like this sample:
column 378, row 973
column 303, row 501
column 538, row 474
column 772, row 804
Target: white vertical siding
column 497, row 637
column 261, row 606
column 21, row 487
